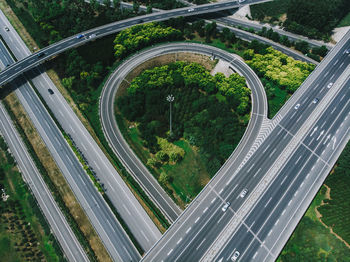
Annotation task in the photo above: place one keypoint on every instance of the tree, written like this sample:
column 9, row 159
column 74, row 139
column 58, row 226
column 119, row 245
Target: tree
column 163, row 178
column 302, row 46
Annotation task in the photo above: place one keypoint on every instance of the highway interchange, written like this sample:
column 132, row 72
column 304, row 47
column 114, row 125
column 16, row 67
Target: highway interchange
column 191, row 242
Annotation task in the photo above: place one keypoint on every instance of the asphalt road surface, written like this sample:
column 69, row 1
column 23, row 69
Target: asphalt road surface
column 55, row 218
column 137, row 220
column 203, row 231
column 120, row 146
column 101, row 217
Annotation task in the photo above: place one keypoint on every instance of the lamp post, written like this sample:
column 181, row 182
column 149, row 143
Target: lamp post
column 170, row 98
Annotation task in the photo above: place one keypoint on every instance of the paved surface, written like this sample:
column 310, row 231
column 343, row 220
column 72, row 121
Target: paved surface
column 58, row 223
column 120, row 146
column 204, row 232
column 101, row 217
column 139, row 223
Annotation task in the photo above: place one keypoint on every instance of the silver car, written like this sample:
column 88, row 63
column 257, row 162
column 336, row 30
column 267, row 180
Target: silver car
column 235, row 256
column 243, row 193
column 225, row 207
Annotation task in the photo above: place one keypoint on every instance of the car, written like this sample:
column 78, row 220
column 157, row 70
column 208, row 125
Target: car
column 315, row 101
column 241, row 1
column 92, row 36
column 297, row 106
column 347, row 51
column 80, row 36
column 243, row 193
column 7, row 29
column 190, row 10
column 50, row 91
column 225, row 207
column 40, row 55
column 329, row 85
column 235, row 256
column 140, row 21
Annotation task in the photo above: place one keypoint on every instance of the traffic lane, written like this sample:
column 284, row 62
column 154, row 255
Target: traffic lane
column 106, row 30
column 51, row 211
column 106, row 221
column 320, row 129
column 294, row 120
column 135, row 216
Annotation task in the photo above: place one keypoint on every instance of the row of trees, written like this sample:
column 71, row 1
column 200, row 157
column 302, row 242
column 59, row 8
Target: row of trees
column 276, row 66
column 140, row 36
column 211, row 112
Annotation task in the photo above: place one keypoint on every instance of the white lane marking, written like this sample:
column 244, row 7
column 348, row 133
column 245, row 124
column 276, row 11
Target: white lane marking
column 97, row 165
column 61, row 113
column 342, row 64
column 293, row 115
column 178, row 242
column 277, row 222
column 342, row 97
column 200, row 243
column 110, row 225
column 188, row 230
column 284, row 179
column 315, row 129
column 290, row 201
column 257, row 172
column 127, row 210
column 272, row 152
column 144, row 235
column 170, row 252
column 298, row 159
column 70, row 126
column 266, row 149
column 269, row 232
column 205, row 210
column 334, row 141
column 255, row 254
column 82, row 180
column 110, row 186
column 284, row 211
column 268, row 202
column 94, row 199
column 250, row 168
column 221, row 218
column 213, row 200
column 196, row 220
column 127, row 253
column 320, row 135
column 221, row 190
column 84, row 147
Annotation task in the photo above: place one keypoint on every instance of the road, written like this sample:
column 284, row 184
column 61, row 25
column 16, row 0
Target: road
column 31, row 61
column 101, row 217
column 203, row 231
column 56, row 220
column 131, row 211
column 120, row 146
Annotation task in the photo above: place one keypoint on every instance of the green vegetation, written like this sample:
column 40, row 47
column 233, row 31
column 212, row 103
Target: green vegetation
column 313, row 18
column 213, row 126
column 140, row 36
column 160, row 4
column 24, row 232
column 280, row 74
column 336, row 211
column 313, row 240
column 345, row 21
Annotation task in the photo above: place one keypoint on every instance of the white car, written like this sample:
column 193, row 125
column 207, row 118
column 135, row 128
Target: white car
column 315, row 101
column 347, row 51
column 92, row 36
column 297, row 106
column 241, row 1
column 225, row 207
column 190, row 10
column 243, row 193
column 330, row 85
column 235, row 256
column 6, row 28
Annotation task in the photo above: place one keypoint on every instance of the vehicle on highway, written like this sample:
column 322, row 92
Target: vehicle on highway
column 330, row 85
column 243, row 193
column 225, row 207
column 347, row 51
column 7, row 29
column 80, row 36
column 190, row 10
column 40, row 55
column 235, row 256
column 297, row 106
column 241, row 1
column 50, row 91
column 315, row 101
column 92, row 36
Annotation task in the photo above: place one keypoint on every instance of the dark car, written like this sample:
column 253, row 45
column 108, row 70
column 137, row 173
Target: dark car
column 80, row 36
column 50, row 91
column 40, row 55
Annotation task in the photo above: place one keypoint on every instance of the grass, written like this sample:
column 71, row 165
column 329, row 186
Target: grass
column 278, row 100
column 189, row 176
column 345, row 21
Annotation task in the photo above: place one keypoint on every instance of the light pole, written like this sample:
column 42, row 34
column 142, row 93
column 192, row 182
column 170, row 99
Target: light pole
column 170, row 98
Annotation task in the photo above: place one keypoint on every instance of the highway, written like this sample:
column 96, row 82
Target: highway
column 31, row 61
column 135, row 217
column 101, row 217
column 55, row 218
column 120, row 146
column 203, row 231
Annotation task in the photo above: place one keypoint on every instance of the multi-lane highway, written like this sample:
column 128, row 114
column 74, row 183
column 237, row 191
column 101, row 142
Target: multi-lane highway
column 120, row 146
column 58, row 223
column 139, row 223
column 206, row 232
column 101, row 217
